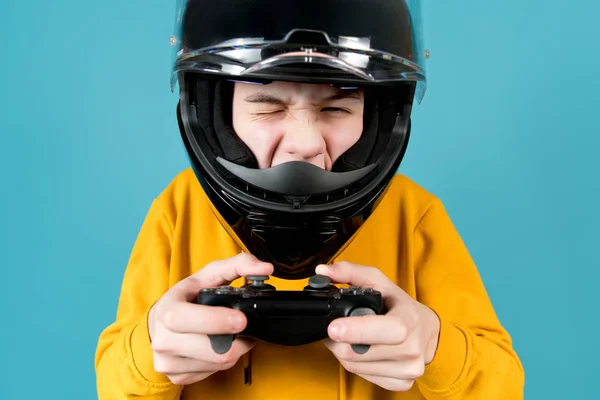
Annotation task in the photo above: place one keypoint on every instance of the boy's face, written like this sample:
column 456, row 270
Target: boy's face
column 285, row 121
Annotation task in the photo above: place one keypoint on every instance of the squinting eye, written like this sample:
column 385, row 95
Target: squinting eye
column 269, row 112
column 335, row 109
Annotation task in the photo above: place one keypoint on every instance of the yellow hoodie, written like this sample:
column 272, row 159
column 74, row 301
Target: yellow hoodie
column 409, row 237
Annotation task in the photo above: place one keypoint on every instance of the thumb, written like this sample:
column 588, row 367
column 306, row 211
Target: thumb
column 222, row 272
column 357, row 275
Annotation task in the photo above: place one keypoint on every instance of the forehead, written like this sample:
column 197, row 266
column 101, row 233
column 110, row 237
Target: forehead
column 291, row 89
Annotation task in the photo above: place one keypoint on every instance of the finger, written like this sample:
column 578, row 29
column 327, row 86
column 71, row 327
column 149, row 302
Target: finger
column 188, row 379
column 198, row 347
column 217, row 273
column 186, row 317
column 175, row 365
column 369, row 329
column 401, row 353
column 357, row 275
column 391, row 384
column 226, row 271
column 386, row 369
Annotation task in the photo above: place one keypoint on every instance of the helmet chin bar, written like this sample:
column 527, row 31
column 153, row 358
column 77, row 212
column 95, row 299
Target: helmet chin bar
column 295, row 215
column 295, row 178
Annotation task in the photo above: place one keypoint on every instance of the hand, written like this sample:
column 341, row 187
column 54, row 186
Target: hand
column 402, row 342
column 178, row 328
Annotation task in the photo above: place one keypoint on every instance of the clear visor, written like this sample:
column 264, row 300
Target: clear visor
column 329, row 52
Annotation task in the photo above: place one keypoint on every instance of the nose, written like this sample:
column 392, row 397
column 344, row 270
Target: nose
column 304, row 142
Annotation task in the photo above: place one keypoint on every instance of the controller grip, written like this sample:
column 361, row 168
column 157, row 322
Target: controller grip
column 357, row 312
column 221, row 343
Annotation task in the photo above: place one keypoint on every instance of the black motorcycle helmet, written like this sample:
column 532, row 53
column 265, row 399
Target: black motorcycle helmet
column 296, row 215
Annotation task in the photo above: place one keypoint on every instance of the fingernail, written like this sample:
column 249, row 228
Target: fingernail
column 322, row 269
column 261, row 263
column 237, row 322
column 335, row 331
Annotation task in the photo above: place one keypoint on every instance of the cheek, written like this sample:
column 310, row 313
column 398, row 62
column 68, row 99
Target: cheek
column 342, row 135
column 261, row 138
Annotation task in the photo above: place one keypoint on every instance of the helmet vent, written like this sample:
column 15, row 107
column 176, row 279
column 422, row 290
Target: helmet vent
column 307, row 37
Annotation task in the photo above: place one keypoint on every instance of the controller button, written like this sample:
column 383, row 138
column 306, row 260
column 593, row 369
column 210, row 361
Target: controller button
column 224, row 290
column 355, row 290
column 360, row 311
column 319, row 282
column 257, row 280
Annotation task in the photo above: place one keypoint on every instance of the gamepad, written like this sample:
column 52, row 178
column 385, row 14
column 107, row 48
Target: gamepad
column 290, row 318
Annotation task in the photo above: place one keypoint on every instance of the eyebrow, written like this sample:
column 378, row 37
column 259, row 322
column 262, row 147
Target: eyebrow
column 265, row 98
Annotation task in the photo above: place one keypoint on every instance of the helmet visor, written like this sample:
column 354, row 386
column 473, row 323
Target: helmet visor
column 347, row 41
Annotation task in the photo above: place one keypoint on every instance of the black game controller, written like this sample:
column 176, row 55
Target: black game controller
column 290, row 318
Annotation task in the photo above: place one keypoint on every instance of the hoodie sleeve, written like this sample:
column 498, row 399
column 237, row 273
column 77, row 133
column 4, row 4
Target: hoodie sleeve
column 475, row 358
column 123, row 360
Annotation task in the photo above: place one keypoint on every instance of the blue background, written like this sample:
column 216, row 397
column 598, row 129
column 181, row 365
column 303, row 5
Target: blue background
column 507, row 137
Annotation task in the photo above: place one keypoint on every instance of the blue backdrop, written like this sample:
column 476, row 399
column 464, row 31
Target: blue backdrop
column 507, row 137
